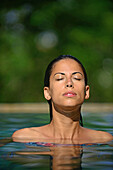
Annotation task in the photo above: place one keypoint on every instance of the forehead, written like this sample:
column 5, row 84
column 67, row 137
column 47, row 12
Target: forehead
column 66, row 65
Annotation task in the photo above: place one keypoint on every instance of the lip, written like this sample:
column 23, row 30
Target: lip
column 69, row 94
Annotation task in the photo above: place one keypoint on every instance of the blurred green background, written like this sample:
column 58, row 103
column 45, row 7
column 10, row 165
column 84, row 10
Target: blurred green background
column 33, row 32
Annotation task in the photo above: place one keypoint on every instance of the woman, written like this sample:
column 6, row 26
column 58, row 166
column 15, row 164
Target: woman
column 65, row 88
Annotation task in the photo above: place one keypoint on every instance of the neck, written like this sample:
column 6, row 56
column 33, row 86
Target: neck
column 65, row 122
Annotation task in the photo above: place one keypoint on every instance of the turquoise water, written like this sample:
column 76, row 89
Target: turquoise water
column 22, row 156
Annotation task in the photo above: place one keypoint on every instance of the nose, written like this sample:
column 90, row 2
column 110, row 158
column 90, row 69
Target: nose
column 69, row 83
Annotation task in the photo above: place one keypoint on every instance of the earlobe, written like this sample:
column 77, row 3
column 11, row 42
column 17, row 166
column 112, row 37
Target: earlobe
column 87, row 89
column 47, row 93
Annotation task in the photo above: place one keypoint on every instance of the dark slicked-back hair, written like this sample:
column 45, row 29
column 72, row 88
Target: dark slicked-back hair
column 48, row 74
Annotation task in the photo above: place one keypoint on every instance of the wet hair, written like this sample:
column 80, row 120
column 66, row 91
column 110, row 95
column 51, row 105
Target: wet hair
column 48, row 74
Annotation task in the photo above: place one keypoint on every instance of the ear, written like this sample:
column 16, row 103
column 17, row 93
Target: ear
column 47, row 93
column 87, row 89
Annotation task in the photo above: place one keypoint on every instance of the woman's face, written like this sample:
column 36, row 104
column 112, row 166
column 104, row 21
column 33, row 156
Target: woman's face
column 67, row 84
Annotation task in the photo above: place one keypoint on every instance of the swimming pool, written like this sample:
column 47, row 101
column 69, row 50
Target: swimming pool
column 14, row 155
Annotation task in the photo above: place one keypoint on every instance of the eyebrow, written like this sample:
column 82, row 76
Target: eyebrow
column 72, row 73
column 77, row 72
column 59, row 73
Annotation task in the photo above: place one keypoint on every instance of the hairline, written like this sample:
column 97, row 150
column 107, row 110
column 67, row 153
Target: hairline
column 67, row 58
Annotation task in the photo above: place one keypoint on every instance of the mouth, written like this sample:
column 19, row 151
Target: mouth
column 69, row 94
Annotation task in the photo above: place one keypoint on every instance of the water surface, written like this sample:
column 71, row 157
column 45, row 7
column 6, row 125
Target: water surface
column 15, row 155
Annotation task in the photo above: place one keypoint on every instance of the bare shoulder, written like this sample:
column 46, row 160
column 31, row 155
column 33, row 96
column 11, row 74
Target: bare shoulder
column 98, row 135
column 27, row 134
column 22, row 133
column 105, row 135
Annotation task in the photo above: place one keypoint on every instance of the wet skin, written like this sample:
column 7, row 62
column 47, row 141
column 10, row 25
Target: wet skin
column 67, row 92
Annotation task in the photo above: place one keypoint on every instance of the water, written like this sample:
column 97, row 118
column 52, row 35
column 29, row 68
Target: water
column 27, row 156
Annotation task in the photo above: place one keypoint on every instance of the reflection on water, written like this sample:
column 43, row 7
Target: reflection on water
column 57, row 157
column 60, row 156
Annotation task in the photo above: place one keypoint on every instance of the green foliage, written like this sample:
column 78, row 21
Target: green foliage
column 34, row 33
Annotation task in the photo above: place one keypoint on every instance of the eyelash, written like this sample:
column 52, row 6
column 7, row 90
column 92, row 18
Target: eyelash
column 59, row 79
column 77, row 79
column 73, row 78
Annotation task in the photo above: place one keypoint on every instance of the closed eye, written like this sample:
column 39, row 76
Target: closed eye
column 77, row 78
column 58, row 79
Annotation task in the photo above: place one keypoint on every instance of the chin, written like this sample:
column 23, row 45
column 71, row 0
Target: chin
column 67, row 106
column 72, row 104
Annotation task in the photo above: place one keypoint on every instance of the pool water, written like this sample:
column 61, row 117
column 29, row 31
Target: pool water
column 25, row 156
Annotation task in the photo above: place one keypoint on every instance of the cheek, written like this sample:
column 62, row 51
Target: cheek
column 81, row 89
column 56, row 86
column 80, row 86
column 53, row 90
